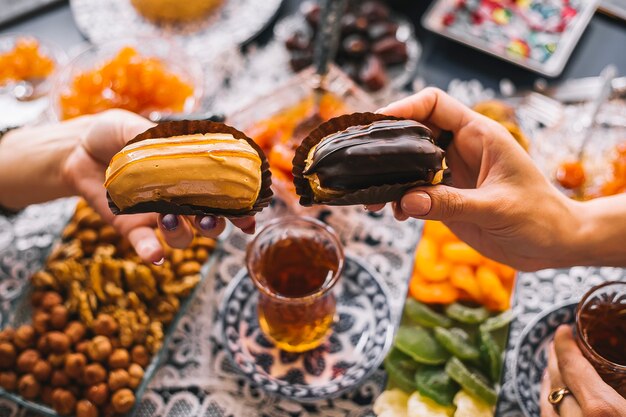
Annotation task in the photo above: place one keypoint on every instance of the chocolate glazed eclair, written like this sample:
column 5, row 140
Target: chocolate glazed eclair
column 189, row 167
column 365, row 158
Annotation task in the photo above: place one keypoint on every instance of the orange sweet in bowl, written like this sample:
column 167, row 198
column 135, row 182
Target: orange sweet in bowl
column 25, row 61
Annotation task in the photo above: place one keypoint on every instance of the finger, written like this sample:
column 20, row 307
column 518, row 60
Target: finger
column 374, row 207
column 176, row 230
column 209, row 226
column 398, row 213
column 444, row 203
column 546, row 408
column 246, row 224
column 432, row 106
column 569, row 405
column 146, row 244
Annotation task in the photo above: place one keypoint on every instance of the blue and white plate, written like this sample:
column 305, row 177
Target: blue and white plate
column 361, row 336
column 531, row 354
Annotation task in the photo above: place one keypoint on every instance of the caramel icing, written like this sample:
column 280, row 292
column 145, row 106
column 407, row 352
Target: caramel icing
column 212, row 170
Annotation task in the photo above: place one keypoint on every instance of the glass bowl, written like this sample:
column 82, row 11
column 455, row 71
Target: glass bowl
column 173, row 58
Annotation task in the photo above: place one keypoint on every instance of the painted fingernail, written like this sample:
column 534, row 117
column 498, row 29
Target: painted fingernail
column 170, row 222
column 159, row 262
column 416, row 203
column 207, row 223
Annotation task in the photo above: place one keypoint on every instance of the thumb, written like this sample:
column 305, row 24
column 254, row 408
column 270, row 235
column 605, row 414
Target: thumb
column 442, row 202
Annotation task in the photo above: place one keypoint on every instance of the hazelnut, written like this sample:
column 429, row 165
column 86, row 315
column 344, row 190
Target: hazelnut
column 63, row 401
column 27, row 360
column 42, row 370
column 8, row 380
column 56, row 360
column 50, row 299
column 140, row 355
column 28, row 387
column 116, row 343
column 7, row 355
column 83, row 347
column 98, row 394
column 42, row 345
column 94, row 374
column 100, row 348
column 59, row 379
column 41, row 321
column 59, row 342
column 75, row 330
column 36, row 298
column 24, row 337
column 46, row 395
column 58, row 317
column 119, row 359
column 85, row 408
column 118, row 378
column 105, row 325
column 123, row 400
column 135, row 373
column 7, row 334
column 75, row 365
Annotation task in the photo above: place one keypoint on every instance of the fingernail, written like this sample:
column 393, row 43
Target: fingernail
column 170, row 222
column 159, row 262
column 417, row 203
column 146, row 247
column 207, row 223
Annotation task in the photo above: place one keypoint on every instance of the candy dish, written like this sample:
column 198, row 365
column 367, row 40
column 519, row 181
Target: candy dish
column 361, row 336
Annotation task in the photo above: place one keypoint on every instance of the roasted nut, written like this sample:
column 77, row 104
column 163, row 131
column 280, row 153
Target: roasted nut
column 85, row 408
column 87, row 237
column 105, row 325
column 42, row 345
column 46, row 395
column 107, row 234
column 135, row 372
column 188, row 268
column 7, row 355
column 8, row 380
column 189, row 254
column 98, row 394
column 59, row 342
column 27, row 360
column 42, row 370
column 372, row 74
column 56, row 360
column 123, row 400
column 202, row 255
column 83, row 347
column 177, row 257
column 24, row 337
column 41, row 321
column 119, row 359
column 58, row 317
column 94, row 374
column 100, row 348
column 7, row 334
column 59, row 379
column 70, row 231
column 75, row 365
column 63, row 401
column 50, row 299
column 28, row 387
column 118, row 379
column 36, row 297
column 140, row 355
column 75, row 330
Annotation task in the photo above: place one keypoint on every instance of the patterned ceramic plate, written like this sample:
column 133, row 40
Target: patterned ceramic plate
column 362, row 335
column 531, row 353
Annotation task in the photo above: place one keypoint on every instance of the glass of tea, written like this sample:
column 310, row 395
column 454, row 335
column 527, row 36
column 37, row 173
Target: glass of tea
column 601, row 332
column 295, row 262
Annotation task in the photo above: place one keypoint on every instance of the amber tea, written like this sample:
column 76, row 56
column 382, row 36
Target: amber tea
column 294, row 263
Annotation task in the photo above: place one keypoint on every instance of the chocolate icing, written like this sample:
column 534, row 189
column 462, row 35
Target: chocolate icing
column 383, row 152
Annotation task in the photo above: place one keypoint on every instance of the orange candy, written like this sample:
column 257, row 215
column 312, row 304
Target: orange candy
column 128, row 81
column 24, row 62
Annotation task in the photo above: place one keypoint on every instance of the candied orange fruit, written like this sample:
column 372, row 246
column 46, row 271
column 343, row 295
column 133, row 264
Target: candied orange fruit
column 448, row 270
column 128, row 81
column 24, row 62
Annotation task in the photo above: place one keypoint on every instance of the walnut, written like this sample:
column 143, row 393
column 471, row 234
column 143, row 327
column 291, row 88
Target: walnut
column 63, row 401
column 188, row 253
column 27, row 360
column 135, row 372
column 188, row 268
column 105, row 325
column 44, row 280
column 123, row 400
column 75, row 330
column 94, row 374
column 41, row 321
column 24, row 337
column 85, row 408
column 100, row 348
column 56, row 360
column 28, row 387
column 50, row 299
column 42, row 370
column 58, row 317
column 155, row 340
column 120, row 358
column 98, row 394
column 177, row 257
column 7, row 355
column 139, row 279
column 59, row 342
column 140, row 355
column 8, row 380
column 59, row 379
column 107, row 234
column 75, row 365
column 202, row 255
column 87, row 237
column 181, row 287
column 118, row 378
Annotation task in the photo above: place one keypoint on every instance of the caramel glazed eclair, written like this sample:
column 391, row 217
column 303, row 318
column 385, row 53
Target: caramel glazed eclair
column 384, row 152
column 212, row 170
